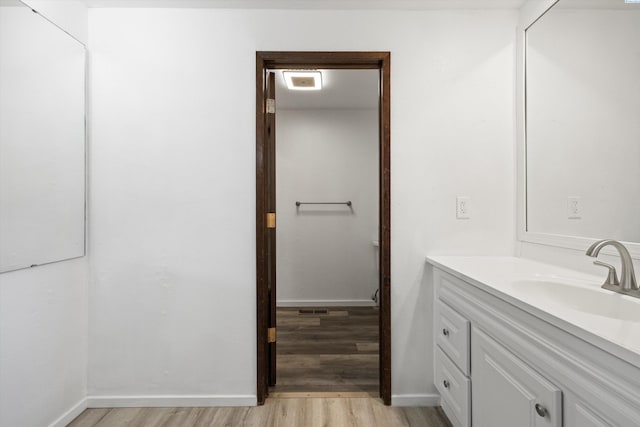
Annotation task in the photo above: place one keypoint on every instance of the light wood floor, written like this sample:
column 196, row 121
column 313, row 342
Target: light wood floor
column 327, row 349
column 309, row 412
column 319, row 354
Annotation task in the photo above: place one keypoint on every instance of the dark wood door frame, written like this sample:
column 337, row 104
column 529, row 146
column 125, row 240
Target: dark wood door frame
column 325, row 60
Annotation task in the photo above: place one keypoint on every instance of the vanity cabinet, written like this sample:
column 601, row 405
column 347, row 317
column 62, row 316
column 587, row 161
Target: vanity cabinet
column 498, row 365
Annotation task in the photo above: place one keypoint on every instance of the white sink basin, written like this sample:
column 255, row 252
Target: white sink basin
column 586, row 298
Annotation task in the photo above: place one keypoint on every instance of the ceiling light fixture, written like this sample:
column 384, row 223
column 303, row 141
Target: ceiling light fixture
column 303, row 80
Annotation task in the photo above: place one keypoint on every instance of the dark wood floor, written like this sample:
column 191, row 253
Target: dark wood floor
column 327, row 350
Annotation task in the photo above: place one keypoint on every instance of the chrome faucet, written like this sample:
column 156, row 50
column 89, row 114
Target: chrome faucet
column 627, row 284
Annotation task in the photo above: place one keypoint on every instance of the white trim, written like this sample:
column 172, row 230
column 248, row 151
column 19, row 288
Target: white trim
column 577, row 243
column 171, row 401
column 326, row 303
column 428, row 400
column 71, row 414
column 317, row 4
column 532, row 10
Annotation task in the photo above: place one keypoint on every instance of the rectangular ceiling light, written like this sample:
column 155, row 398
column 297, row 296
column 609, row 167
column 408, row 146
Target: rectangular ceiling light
column 303, row 80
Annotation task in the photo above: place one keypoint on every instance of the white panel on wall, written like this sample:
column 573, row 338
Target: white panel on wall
column 173, row 180
column 70, row 15
column 42, row 128
column 325, row 253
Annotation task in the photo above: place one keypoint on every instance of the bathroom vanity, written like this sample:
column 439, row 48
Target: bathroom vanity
column 521, row 343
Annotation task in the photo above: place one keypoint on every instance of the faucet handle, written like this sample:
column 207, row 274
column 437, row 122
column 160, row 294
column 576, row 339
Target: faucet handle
column 612, row 277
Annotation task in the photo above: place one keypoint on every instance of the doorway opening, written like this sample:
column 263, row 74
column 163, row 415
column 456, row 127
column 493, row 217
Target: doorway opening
column 265, row 210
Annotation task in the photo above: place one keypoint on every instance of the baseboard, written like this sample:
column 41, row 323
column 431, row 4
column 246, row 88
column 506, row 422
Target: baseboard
column 170, row 401
column 415, row 400
column 427, row 400
column 71, row 414
column 327, row 303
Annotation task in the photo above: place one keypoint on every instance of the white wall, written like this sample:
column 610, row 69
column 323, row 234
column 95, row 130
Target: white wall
column 173, row 182
column 44, row 334
column 325, row 254
column 43, row 344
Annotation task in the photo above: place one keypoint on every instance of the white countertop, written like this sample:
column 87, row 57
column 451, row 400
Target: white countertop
column 613, row 325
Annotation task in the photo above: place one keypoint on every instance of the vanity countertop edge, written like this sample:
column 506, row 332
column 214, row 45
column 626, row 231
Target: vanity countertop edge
column 483, row 272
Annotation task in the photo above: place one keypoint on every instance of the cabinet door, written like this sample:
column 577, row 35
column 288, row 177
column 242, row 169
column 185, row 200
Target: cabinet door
column 506, row 391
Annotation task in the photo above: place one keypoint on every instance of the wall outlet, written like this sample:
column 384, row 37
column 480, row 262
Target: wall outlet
column 462, row 207
column 574, row 207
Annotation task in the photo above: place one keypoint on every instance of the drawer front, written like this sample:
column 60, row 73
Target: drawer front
column 455, row 390
column 453, row 336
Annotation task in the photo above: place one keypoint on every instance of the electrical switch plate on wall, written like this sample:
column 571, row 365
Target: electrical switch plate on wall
column 574, row 207
column 462, row 207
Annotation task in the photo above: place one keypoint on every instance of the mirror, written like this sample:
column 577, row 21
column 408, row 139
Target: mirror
column 42, row 140
column 583, row 121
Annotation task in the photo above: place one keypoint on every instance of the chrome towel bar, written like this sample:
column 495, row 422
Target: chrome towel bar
column 348, row 203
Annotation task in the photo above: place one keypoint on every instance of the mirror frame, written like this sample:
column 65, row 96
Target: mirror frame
column 531, row 12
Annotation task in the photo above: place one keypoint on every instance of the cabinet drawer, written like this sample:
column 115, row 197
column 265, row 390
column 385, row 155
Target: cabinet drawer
column 455, row 390
column 453, row 336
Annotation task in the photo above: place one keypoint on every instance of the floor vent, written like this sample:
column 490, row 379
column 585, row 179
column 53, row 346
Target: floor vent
column 311, row 311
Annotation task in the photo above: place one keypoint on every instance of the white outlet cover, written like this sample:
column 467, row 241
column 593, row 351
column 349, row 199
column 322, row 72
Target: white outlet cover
column 574, row 207
column 463, row 207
